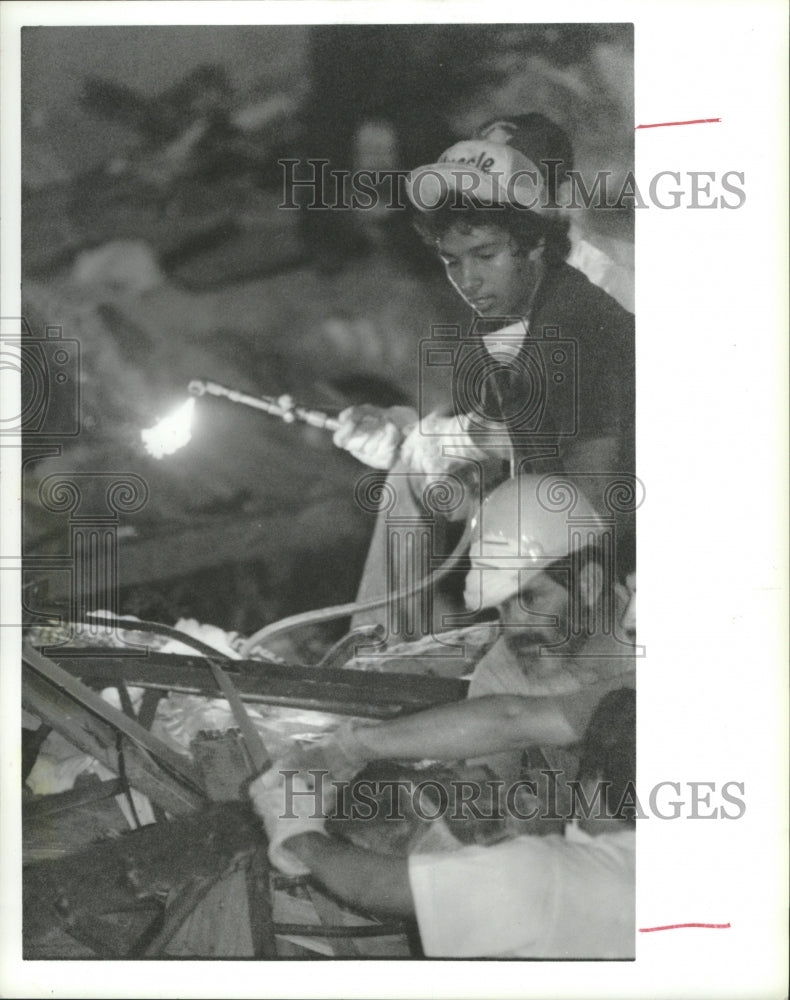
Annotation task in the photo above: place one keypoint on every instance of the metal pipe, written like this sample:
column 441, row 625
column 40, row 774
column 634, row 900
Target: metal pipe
column 281, row 406
column 285, row 408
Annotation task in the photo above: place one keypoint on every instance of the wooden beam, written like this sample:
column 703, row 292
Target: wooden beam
column 259, row 904
column 186, row 900
column 179, row 763
column 350, row 692
column 95, row 736
column 84, row 794
column 252, row 737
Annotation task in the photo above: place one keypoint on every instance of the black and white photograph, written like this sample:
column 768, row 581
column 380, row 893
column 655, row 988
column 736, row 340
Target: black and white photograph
column 348, row 402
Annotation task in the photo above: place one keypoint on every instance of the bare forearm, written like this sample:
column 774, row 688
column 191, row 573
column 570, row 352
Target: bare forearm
column 469, row 729
column 373, row 882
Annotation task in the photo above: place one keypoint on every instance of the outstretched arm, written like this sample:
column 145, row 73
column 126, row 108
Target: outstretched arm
column 472, row 728
column 377, row 883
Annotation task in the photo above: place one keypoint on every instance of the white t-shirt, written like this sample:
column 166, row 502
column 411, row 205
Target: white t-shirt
column 507, row 341
column 607, row 262
column 559, row 897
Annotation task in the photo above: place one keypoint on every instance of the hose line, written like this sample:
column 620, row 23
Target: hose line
column 345, row 610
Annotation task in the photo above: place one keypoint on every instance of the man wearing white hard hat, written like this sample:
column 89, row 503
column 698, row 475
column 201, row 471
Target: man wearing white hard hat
column 539, row 555
column 544, row 558
column 544, row 382
column 559, row 677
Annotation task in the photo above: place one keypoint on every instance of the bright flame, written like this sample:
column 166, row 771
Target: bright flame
column 171, row 433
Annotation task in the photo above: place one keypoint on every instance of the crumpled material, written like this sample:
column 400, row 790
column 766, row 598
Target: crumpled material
column 179, row 717
column 222, row 641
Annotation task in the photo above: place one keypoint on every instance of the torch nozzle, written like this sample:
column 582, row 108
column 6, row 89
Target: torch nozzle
column 282, row 407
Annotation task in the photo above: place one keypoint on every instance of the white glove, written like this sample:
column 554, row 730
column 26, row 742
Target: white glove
column 342, row 753
column 437, row 444
column 288, row 808
column 373, row 435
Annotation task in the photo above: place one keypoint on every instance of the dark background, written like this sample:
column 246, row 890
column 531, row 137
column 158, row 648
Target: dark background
column 152, row 236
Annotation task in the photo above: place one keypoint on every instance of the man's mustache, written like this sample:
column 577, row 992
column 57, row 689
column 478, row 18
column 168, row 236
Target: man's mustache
column 534, row 637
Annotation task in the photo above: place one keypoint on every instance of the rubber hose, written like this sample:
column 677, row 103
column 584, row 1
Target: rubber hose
column 133, row 625
column 343, row 610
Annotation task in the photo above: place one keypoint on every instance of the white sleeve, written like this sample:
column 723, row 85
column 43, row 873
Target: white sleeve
column 485, row 901
column 438, row 443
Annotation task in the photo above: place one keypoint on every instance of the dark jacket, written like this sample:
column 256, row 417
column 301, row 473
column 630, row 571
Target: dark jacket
column 572, row 380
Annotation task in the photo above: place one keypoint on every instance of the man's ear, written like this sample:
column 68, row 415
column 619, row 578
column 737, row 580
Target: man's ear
column 537, row 252
column 564, row 195
column 591, row 583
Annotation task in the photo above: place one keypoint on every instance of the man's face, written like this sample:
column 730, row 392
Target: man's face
column 536, row 617
column 485, row 269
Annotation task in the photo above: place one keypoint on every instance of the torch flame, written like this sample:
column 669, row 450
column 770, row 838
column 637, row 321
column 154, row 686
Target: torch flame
column 171, row 432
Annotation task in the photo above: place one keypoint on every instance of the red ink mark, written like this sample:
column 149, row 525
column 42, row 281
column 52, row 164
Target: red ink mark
column 674, row 927
column 694, row 121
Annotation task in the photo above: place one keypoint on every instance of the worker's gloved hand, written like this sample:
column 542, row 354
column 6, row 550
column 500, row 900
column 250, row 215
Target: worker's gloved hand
column 341, row 753
column 373, row 435
column 288, row 808
column 438, row 444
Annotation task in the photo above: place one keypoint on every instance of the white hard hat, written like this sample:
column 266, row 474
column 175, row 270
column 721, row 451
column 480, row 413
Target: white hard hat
column 527, row 523
column 493, row 173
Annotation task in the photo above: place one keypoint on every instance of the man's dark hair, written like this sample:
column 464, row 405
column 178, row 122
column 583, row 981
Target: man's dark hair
column 608, row 753
column 549, row 148
column 569, row 568
column 569, row 571
column 524, row 228
column 540, row 140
